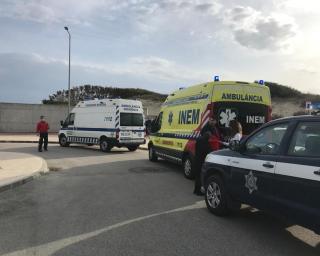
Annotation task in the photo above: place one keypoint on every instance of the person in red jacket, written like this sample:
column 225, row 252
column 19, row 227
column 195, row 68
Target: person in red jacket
column 215, row 134
column 42, row 130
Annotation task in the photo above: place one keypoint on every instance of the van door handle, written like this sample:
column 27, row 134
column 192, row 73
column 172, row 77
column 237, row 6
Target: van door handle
column 317, row 172
column 268, row 165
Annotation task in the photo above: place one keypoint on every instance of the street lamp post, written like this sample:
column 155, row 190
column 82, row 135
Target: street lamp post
column 67, row 29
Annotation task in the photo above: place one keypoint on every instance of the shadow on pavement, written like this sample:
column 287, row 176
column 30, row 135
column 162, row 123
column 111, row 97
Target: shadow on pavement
column 55, row 151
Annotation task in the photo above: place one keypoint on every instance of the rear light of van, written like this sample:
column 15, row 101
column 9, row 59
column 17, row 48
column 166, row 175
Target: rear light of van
column 117, row 134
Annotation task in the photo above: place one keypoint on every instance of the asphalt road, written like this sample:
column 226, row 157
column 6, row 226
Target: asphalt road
column 119, row 203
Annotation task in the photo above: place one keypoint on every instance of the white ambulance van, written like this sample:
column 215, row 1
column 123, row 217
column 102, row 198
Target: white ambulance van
column 105, row 122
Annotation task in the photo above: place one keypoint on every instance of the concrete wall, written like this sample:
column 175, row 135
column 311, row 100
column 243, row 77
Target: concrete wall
column 16, row 117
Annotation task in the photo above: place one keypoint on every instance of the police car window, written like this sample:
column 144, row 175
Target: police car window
column 267, row 141
column 306, row 140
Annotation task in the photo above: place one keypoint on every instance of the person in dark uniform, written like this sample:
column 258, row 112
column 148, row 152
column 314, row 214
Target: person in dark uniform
column 212, row 127
column 202, row 149
column 42, row 130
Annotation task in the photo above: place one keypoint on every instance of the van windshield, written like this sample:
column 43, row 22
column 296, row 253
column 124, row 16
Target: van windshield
column 131, row 119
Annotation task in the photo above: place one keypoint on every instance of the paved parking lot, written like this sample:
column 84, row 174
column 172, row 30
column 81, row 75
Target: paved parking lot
column 119, row 203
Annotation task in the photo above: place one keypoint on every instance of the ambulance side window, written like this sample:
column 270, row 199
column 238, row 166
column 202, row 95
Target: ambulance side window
column 156, row 123
column 64, row 123
column 69, row 120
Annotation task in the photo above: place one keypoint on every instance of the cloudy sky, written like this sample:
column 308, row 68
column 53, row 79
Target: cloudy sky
column 154, row 44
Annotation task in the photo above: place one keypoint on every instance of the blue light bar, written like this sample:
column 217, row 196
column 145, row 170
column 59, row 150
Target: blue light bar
column 261, row 82
column 216, row 78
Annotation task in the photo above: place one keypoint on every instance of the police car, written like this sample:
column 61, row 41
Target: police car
column 276, row 168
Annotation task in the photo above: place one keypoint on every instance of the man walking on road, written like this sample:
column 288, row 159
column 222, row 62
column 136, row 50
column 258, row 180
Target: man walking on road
column 42, row 130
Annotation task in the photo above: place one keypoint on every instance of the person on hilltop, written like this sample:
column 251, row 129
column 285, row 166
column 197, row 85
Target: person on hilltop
column 42, row 131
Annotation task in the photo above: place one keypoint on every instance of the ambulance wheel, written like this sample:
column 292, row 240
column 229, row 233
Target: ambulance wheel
column 216, row 196
column 152, row 154
column 187, row 168
column 132, row 148
column 105, row 145
column 63, row 141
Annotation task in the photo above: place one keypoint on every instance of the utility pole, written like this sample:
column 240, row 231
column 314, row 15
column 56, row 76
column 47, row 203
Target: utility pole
column 69, row 92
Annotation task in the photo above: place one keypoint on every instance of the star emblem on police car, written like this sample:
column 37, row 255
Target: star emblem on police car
column 251, row 182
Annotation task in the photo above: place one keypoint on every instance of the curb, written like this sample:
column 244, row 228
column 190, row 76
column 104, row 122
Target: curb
column 52, row 142
column 26, row 141
column 43, row 170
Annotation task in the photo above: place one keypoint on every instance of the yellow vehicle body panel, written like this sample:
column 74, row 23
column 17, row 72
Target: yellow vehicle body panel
column 251, row 93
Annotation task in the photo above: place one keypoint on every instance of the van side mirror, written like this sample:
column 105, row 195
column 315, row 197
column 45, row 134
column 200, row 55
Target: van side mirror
column 61, row 123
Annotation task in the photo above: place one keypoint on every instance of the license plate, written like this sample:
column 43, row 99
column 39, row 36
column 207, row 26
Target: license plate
column 125, row 133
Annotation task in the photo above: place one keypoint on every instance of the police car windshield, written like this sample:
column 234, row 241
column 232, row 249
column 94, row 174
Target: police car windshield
column 131, row 119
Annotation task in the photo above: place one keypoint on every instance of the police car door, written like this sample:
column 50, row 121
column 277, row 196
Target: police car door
column 298, row 175
column 253, row 171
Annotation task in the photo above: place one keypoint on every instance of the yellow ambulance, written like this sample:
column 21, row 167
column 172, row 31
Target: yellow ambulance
column 187, row 110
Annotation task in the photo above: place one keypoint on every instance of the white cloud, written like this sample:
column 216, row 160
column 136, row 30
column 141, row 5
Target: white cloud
column 77, row 11
column 253, row 29
column 46, row 11
column 308, row 7
column 150, row 68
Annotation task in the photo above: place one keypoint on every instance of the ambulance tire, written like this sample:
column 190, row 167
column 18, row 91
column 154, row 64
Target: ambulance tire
column 216, row 196
column 105, row 145
column 63, row 141
column 152, row 154
column 132, row 148
column 187, row 167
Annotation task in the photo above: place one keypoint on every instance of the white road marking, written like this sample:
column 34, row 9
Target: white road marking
column 52, row 247
column 305, row 235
